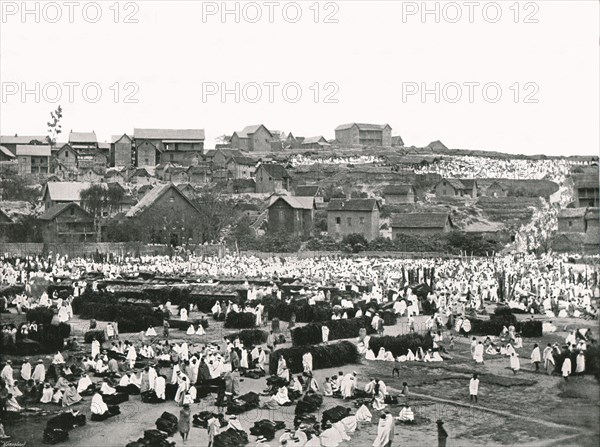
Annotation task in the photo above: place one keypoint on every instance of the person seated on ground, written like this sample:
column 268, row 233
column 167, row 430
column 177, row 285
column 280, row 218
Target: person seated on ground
column 85, row 385
column 296, row 386
column 406, row 414
column 280, row 398
column 106, row 389
column 160, row 385
column 70, row 396
column 518, row 341
column 491, row 350
column 327, row 388
column 47, row 393
column 58, row 359
column 57, row 396
column 151, row 332
column 101, row 411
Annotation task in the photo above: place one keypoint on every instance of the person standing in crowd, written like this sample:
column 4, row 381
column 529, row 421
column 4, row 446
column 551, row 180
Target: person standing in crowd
column 442, row 434
column 184, row 422
column 474, row 387
column 536, row 357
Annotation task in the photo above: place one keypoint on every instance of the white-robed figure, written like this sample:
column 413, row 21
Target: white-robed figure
column 83, row 384
column 183, row 314
column 566, row 367
column 478, row 352
column 282, row 396
column 160, row 387
column 385, row 431
column 378, row 390
column 26, row 370
column 39, row 372
column 515, row 364
column 95, row 348
column 282, row 369
column 63, row 315
column 151, row 332
column 307, row 362
column 348, row 385
column 325, row 333
column 363, row 345
column 200, row 330
column 98, row 406
column 131, row 356
column 191, row 330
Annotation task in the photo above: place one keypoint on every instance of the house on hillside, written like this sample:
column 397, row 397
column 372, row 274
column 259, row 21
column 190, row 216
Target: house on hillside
column 421, row 223
column 318, row 142
column 271, row 178
column 291, row 214
column 436, row 145
column 166, row 215
column 83, row 140
column 220, row 157
column 146, row 154
column 67, row 222
column 255, row 138
column 572, row 220
column 121, row 150
column 182, row 146
column 176, row 174
column 495, row 189
column 91, row 175
column 353, row 216
column 33, row 159
column 58, row 193
column 399, row 194
column 586, row 187
column 397, row 141
column 364, row 134
column 292, row 142
column 11, row 142
column 241, row 186
column 456, row 188
column 200, row 174
column 315, row 191
column 241, row 167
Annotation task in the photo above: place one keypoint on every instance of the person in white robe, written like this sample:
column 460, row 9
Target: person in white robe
column 536, row 356
column 385, row 431
column 58, row 359
column 370, row 355
column 63, row 315
column 381, row 354
column 83, row 383
column 281, row 397
column 131, row 356
column 348, row 385
column 406, row 414
column 566, row 368
column 106, row 389
column 47, row 394
column 39, row 372
column 183, row 314
column 95, row 348
column 190, row 330
column 307, row 362
column 200, row 330
column 151, row 332
column 580, row 363
column 325, row 334
column 160, row 387
column 363, row 414
column 478, row 352
column 98, row 406
column 26, row 370
column 515, row 364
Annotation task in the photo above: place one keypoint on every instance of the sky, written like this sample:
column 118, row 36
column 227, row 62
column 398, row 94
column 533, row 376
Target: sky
column 516, row 77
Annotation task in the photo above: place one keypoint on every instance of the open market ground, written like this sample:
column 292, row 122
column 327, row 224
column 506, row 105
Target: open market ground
column 527, row 409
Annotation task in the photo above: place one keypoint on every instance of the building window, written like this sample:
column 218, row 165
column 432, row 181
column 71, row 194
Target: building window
column 146, row 161
column 349, row 220
column 570, row 223
column 72, row 211
column 338, row 220
column 362, row 220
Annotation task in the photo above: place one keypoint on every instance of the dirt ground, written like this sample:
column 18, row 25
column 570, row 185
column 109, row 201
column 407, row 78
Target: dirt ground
column 528, row 409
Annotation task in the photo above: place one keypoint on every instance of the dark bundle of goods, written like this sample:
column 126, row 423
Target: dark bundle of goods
column 267, row 428
column 255, row 373
column 205, row 388
column 309, row 420
column 240, row 320
column 183, row 325
column 389, row 318
column 402, row 343
column 241, row 404
column 98, row 334
column 167, row 422
column 54, row 436
column 250, row 336
column 40, row 315
column 324, row 356
column 304, row 312
column 150, row 397
column 66, row 421
column 113, row 410
column 115, row 399
column 335, row 414
column 309, row 403
column 276, row 382
column 231, row 438
column 201, row 419
column 48, row 338
column 338, row 329
column 152, row 438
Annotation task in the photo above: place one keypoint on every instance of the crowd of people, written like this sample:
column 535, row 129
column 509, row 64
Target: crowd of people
column 303, row 160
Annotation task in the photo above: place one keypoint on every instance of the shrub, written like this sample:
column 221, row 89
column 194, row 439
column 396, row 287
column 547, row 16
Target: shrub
column 240, row 320
column 40, row 315
column 250, row 336
column 354, row 243
column 338, row 329
column 592, row 360
column 98, row 334
column 304, row 312
column 324, row 356
column 401, row 344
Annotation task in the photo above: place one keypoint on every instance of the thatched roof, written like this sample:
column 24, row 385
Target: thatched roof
column 421, row 220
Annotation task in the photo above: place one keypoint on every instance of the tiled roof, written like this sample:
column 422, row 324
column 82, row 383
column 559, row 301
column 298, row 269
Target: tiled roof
column 25, row 139
column 65, row 191
column 152, row 196
column 352, row 205
column 82, row 137
column 6, row 152
column 362, row 126
column 397, row 190
column 296, row 202
column 276, row 171
column 249, row 130
column 307, row 190
column 56, row 210
column 33, row 150
column 169, row 134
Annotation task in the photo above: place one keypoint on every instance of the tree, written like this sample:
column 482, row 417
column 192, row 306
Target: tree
column 98, row 198
column 217, row 213
column 354, row 243
column 54, row 126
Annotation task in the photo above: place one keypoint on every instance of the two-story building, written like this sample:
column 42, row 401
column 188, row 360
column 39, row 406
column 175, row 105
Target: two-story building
column 11, row 142
column 241, row 167
column 318, row 142
column 421, row 223
column 33, row 159
column 291, row 214
column 67, row 222
column 271, row 178
column 255, row 138
column 399, row 194
column 364, row 134
column 182, row 146
column 353, row 216
column 586, row 187
column 451, row 187
column 121, row 151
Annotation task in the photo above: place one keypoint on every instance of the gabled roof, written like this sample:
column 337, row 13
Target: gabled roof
column 25, row 139
column 116, row 138
column 420, row 220
column 469, row 183
column 592, row 214
column 437, row 144
column 455, row 183
column 5, row 216
column 296, row 202
column 571, row 213
column 33, row 150
column 318, row 139
column 169, row 134
column 65, row 191
column 152, row 196
column 307, row 190
column 397, row 141
column 278, row 172
column 82, row 137
column 6, row 152
column 397, row 190
column 496, row 184
column 588, row 180
column 362, row 126
column 242, row 160
column 57, row 210
column 352, row 205
column 249, row 130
